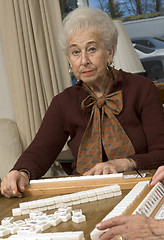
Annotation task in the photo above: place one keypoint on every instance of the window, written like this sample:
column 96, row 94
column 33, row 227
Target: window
column 143, row 20
column 154, row 69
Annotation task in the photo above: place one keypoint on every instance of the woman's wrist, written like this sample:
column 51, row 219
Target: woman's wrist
column 132, row 163
column 122, row 164
column 25, row 173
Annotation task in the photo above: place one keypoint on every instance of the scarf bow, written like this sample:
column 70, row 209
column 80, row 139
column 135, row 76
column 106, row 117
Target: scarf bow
column 103, row 131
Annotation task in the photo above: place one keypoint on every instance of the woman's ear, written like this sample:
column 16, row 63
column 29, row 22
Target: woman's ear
column 68, row 59
column 69, row 63
column 110, row 56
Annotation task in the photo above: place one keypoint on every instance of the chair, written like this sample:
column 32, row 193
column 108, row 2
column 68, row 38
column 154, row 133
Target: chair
column 10, row 145
column 11, row 149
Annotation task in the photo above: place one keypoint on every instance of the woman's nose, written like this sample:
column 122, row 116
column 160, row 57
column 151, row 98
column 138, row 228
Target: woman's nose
column 84, row 59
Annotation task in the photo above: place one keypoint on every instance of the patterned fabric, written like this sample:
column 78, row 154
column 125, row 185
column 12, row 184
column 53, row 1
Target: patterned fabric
column 103, row 130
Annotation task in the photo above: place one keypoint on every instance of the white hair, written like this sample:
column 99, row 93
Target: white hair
column 85, row 18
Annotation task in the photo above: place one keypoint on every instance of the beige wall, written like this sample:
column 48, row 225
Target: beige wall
column 6, row 107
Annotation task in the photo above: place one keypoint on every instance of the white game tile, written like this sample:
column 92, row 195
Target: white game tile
column 76, row 202
column 43, row 209
column 58, row 205
column 99, row 191
column 67, row 204
column 49, row 201
column 4, row 231
column 79, row 235
column 100, row 197
column 24, row 212
column 66, row 198
column 74, row 196
column 19, row 222
column 41, row 203
column 65, row 217
column 91, row 193
column 16, row 212
column 41, row 219
column 32, row 204
column 23, row 205
column 7, row 220
column 36, row 214
column 83, row 194
column 30, row 221
column 109, row 195
column 79, row 218
column 28, row 229
column 58, row 199
column 76, row 212
column 92, row 199
column 54, row 220
column 44, row 225
column 65, row 209
column 51, row 207
column 84, row 200
column 12, row 228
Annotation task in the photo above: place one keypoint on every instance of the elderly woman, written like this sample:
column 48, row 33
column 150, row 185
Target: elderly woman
column 135, row 226
column 114, row 119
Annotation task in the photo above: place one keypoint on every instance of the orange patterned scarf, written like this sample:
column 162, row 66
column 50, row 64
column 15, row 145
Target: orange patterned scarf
column 103, row 130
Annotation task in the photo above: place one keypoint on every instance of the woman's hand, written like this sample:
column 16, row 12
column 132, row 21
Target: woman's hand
column 158, row 176
column 112, row 166
column 132, row 227
column 13, row 185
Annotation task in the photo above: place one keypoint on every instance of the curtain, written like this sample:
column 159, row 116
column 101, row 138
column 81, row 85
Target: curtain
column 37, row 69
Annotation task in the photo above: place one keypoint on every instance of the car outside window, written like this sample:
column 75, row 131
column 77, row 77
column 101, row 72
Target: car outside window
column 145, row 43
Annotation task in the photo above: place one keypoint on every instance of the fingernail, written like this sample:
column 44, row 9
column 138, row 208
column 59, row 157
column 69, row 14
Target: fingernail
column 14, row 192
column 98, row 225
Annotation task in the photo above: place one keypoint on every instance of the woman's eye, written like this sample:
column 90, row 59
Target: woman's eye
column 92, row 49
column 75, row 52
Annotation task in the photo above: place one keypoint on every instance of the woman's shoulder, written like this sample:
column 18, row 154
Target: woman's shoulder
column 69, row 95
column 72, row 91
column 137, row 79
column 133, row 84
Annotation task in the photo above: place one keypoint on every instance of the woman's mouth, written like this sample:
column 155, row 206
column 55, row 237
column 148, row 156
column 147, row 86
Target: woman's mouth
column 88, row 72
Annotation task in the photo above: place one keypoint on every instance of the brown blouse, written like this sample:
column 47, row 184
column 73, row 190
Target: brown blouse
column 142, row 118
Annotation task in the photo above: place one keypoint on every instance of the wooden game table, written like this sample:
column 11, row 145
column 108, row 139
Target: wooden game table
column 94, row 211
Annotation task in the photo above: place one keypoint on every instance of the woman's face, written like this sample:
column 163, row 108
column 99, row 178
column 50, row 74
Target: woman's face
column 88, row 56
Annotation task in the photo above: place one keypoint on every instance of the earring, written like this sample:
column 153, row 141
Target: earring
column 110, row 67
column 70, row 72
